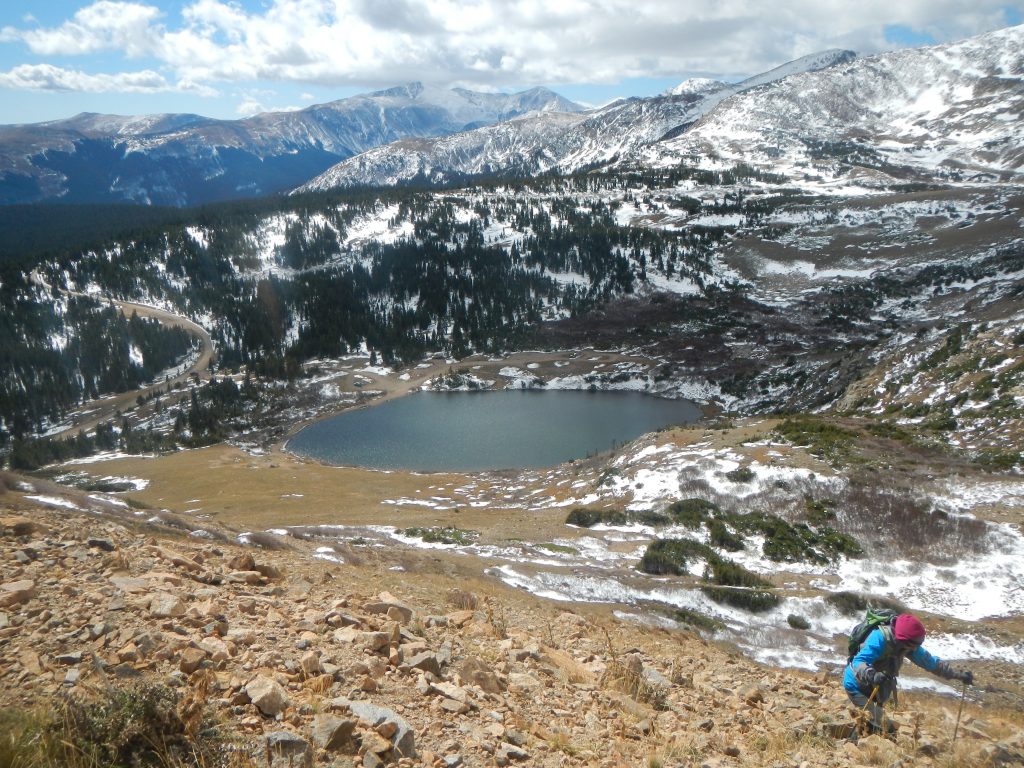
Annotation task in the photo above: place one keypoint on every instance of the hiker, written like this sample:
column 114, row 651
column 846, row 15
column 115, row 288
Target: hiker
column 870, row 677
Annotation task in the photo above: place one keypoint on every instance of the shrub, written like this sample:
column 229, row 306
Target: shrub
column 753, row 600
column 741, row 475
column 653, row 519
column 798, row 622
column 588, row 518
column 818, row 512
column 141, row 726
column 558, row 549
column 729, row 574
column 723, row 538
column 446, row 535
column 671, row 556
column 692, row 513
column 697, row 620
column 823, row 439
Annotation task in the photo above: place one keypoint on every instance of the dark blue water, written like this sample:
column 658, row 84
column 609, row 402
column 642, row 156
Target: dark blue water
column 467, row 431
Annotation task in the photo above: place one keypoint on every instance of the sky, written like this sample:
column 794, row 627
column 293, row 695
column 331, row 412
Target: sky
column 233, row 58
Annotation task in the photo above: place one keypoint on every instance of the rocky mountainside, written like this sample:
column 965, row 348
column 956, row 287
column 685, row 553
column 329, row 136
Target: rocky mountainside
column 552, row 142
column 940, row 113
column 142, row 639
column 187, row 159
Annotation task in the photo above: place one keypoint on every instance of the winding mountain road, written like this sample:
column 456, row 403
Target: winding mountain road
column 90, row 414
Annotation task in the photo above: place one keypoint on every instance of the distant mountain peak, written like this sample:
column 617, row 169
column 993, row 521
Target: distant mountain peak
column 696, row 86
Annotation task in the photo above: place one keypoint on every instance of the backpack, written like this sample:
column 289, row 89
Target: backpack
column 874, row 618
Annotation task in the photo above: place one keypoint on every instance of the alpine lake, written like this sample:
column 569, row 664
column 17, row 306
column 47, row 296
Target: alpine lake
column 493, row 430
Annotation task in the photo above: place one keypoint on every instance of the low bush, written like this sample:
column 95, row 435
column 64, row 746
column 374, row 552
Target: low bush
column 822, row 438
column 798, row 622
column 753, row 600
column 729, row 574
column 446, row 535
column 697, row 620
column 585, row 517
column 145, row 725
column 741, row 475
column 653, row 519
column 723, row 538
column 692, row 513
column 558, row 549
column 670, row 557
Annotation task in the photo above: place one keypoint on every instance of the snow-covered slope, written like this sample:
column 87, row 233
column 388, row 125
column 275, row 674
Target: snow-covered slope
column 938, row 111
column 566, row 143
column 187, row 158
column 698, row 86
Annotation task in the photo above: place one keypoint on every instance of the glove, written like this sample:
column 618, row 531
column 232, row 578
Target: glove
column 966, row 675
column 879, row 679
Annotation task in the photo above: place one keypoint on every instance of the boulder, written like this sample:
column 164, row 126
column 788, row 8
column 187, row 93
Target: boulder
column 268, row 695
column 129, row 584
column 16, row 592
column 310, row 664
column 287, row 748
column 164, row 605
column 507, row 753
column 751, row 694
column 394, row 611
column 426, row 662
column 404, row 739
column 478, row 672
column 216, row 647
column 191, row 659
column 334, row 734
column 244, row 577
column 242, row 562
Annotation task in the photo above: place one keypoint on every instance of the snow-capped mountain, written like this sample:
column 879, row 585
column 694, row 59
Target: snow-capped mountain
column 181, row 159
column 953, row 110
column 563, row 142
column 696, row 86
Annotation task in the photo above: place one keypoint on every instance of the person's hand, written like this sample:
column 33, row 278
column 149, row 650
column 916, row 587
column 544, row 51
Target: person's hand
column 879, row 679
column 966, row 675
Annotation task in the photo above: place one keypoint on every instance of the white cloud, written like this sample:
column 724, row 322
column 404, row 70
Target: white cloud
column 493, row 43
column 255, row 102
column 104, row 25
column 46, row 77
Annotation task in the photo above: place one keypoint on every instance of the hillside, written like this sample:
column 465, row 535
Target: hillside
column 267, row 655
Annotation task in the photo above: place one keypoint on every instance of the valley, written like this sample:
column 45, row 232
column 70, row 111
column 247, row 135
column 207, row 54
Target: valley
column 827, row 259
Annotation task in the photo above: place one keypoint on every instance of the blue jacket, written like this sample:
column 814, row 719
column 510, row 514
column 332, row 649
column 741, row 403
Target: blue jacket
column 881, row 652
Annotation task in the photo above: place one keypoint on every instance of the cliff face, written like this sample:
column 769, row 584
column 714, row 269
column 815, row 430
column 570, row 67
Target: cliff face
column 395, row 657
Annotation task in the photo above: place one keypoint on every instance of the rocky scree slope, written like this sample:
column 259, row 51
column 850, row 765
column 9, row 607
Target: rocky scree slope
column 302, row 662
column 188, row 159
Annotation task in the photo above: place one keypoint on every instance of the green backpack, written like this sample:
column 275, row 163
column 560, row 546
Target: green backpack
column 874, row 618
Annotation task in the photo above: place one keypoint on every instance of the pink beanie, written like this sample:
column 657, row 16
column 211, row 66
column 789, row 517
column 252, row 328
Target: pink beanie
column 908, row 628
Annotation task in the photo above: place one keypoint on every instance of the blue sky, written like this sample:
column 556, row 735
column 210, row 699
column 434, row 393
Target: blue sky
column 230, row 58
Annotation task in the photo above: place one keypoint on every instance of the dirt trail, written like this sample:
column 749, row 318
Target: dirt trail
column 104, row 408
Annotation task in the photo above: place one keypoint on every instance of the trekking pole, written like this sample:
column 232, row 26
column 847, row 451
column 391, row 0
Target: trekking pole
column 865, row 715
column 963, row 696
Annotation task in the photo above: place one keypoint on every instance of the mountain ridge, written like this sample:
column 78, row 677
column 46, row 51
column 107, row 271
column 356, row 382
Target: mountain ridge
column 954, row 107
column 595, row 137
column 182, row 159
